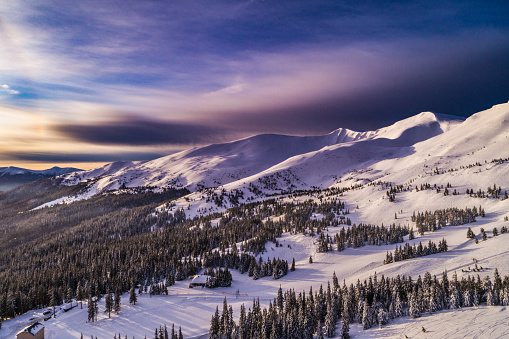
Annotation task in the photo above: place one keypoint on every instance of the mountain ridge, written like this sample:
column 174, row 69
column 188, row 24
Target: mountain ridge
column 11, row 177
column 221, row 164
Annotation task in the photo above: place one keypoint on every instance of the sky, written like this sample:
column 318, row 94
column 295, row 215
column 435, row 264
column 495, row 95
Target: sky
column 83, row 83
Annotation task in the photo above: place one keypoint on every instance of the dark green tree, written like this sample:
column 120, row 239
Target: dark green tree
column 109, row 302
column 116, row 304
column 132, row 295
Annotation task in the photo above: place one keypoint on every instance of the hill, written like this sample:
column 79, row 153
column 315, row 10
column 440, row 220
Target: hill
column 11, row 177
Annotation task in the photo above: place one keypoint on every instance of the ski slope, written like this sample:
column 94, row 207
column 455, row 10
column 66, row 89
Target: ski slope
column 424, row 149
column 192, row 308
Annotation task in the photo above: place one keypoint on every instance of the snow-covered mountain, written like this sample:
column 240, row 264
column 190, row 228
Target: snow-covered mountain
column 50, row 172
column 221, row 164
column 414, row 161
column 410, row 151
column 11, row 176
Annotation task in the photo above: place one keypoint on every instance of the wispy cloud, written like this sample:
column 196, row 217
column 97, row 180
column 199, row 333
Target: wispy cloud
column 7, row 89
column 117, row 76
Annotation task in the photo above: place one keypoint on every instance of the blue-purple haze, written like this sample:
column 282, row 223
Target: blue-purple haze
column 109, row 80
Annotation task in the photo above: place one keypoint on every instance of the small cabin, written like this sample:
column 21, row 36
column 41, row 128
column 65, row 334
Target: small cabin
column 198, row 280
column 34, row 331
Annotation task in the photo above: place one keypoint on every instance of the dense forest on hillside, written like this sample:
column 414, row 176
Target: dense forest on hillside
column 373, row 302
column 115, row 241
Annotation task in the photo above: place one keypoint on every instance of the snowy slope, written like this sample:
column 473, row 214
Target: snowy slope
column 221, row 164
column 393, row 155
column 427, row 148
column 192, row 308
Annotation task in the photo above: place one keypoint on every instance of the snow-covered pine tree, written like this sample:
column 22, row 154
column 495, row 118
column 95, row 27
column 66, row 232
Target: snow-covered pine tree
column 109, row 302
column 91, row 309
column 330, row 321
column 414, row 305
column 68, row 296
column 319, row 330
column 366, row 319
column 382, row 317
column 454, row 297
column 475, row 297
column 505, row 296
column 345, row 324
column 116, row 303
column 214, row 325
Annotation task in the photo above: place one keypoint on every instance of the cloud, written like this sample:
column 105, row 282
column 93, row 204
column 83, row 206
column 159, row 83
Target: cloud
column 190, row 73
column 7, row 89
column 53, row 157
column 139, row 132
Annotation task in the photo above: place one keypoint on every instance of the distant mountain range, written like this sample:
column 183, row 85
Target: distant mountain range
column 11, row 176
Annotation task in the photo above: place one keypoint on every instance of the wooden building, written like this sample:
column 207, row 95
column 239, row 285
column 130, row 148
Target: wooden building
column 198, row 280
column 34, row 331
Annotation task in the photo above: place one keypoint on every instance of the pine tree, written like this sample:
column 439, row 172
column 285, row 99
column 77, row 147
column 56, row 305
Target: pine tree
column 470, row 234
column 335, row 282
column 345, row 324
column 132, row 295
column 414, row 305
column 467, row 297
column 242, row 323
column 505, row 296
column 279, row 300
column 433, row 304
column 91, row 309
column 454, row 299
column 475, row 298
column 214, row 325
column 319, row 330
column 330, row 321
column 116, row 306
column 80, row 294
column 68, row 296
column 109, row 302
column 490, row 298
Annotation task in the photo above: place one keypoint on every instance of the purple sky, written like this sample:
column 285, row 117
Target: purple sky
column 85, row 82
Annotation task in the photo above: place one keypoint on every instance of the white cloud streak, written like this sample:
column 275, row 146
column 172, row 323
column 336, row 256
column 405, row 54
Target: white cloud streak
column 7, row 89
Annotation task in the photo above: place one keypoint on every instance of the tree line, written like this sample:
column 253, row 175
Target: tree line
column 408, row 252
column 373, row 302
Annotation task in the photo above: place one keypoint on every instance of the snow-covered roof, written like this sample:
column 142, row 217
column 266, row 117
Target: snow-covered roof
column 33, row 329
column 199, row 279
